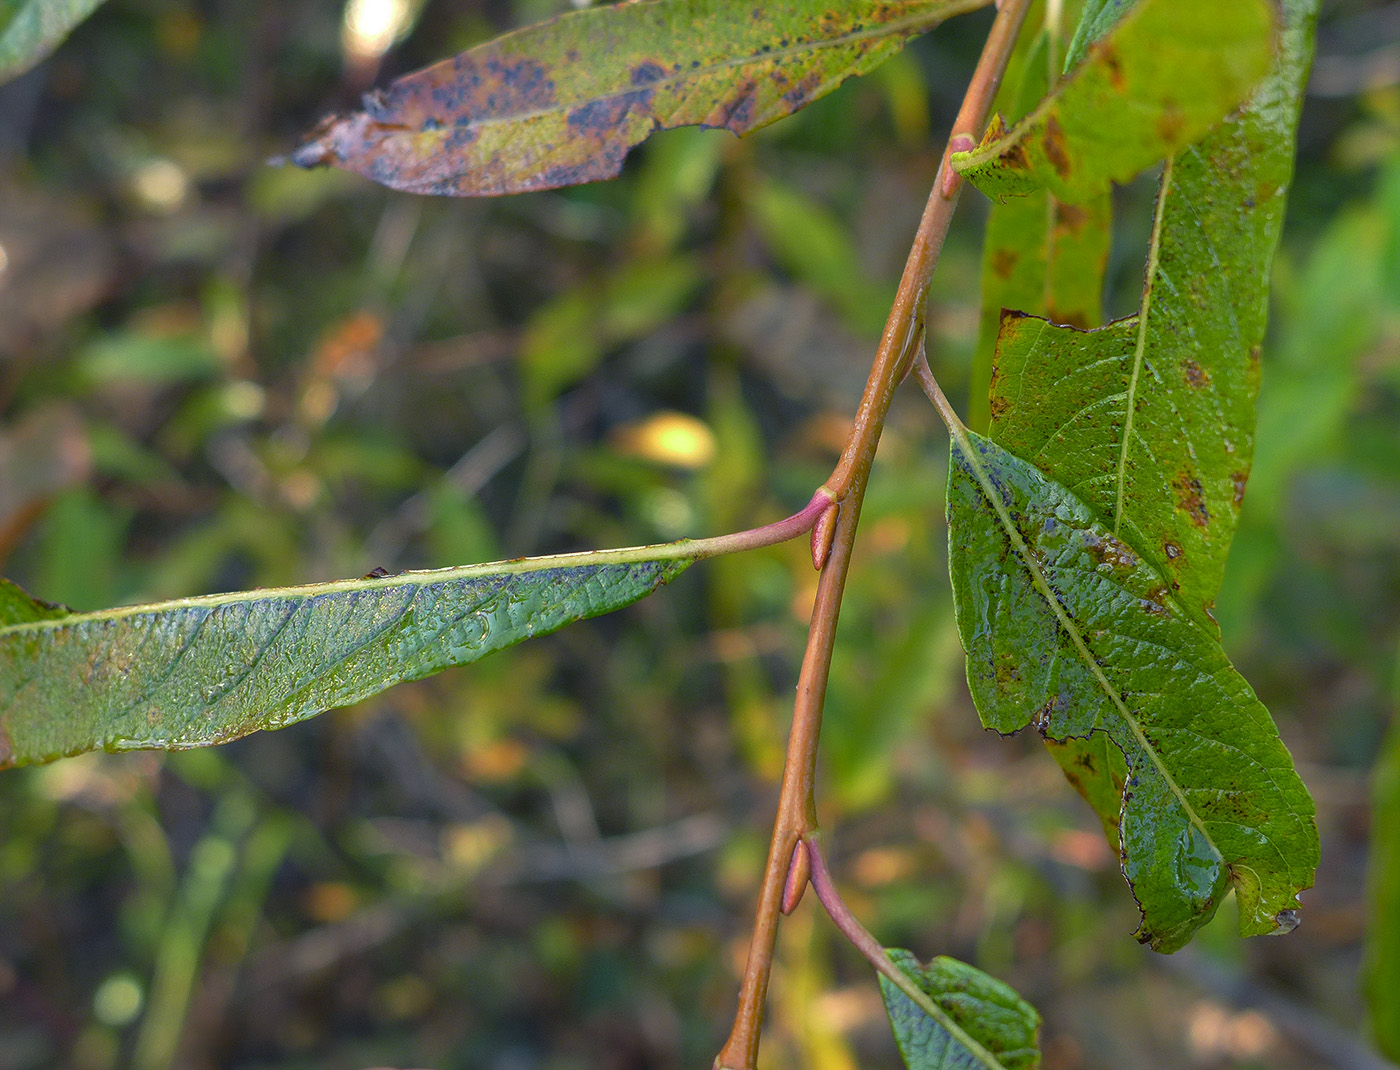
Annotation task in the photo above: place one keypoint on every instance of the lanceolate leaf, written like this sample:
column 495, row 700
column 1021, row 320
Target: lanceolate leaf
column 987, row 1025
column 31, row 29
column 1165, row 73
column 1040, row 255
column 562, row 102
column 1068, row 628
column 1150, row 421
column 207, row 670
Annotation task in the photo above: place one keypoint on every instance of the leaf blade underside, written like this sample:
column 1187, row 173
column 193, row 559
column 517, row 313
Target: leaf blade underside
column 562, row 102
column 993, row 1028
column 1066, row 628
column 201, row 671
column 1158, row 79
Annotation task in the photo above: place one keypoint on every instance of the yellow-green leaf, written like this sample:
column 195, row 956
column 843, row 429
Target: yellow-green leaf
column 1164, row 74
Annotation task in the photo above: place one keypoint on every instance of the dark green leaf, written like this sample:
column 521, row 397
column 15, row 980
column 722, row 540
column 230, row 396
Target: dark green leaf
column 31, row 29
column 1068, row 628
column 207, row 670
column 564, row 101
column 1165, row 73
column 986, row 1025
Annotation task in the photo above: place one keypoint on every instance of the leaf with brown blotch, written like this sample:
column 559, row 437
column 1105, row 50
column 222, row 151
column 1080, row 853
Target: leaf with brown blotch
column 562, row 102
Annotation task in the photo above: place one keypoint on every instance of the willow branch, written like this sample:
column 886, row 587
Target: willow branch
column 900, row 343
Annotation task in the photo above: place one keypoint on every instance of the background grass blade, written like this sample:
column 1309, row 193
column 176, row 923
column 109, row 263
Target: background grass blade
column 562, row 102
column 208, row 670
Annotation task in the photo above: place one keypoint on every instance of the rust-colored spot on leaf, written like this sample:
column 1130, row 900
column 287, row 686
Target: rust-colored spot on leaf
column 1070, row 218
column 1156, row 601
column 1193, row 374
column 1053, row 142
column 1004, row 262
column 1108, row 56
column 998, row 405
column 1238, row 481
column 1172, row 550
column 1190, row 498
column 1106, row 550
column 1170, row 125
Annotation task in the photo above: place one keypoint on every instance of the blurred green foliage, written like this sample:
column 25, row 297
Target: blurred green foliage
column 216, row 374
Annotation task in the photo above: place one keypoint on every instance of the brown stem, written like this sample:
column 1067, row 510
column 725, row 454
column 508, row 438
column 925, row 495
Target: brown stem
column 901, row 342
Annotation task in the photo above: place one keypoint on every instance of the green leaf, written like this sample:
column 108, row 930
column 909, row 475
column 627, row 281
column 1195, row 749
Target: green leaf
column 199, row 671
column 1150, row 421
column 985, row 1025
column 1383, row 934
column 562, row 102
column 31, row 29
column 1165, row 73
column 1040, row 254
column 1068, row 628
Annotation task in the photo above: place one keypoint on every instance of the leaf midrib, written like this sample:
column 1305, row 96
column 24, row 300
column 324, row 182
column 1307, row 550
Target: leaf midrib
column 1154, row 251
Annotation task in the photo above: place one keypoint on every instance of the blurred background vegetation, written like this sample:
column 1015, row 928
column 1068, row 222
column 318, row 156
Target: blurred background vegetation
column 217, row 374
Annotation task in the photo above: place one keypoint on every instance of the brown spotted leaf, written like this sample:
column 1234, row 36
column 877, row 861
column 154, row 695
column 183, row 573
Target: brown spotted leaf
column 1162, row 75
column 1068, row 629
column 1150, row 420
column 1040, row 255
column 562, row 102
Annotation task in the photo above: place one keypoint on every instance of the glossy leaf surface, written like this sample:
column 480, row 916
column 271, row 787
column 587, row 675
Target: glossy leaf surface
column 988, row 1026
column 564, row 101
column 1040, row 255
column 31, row 29
column 1165, row 73
column 208, row 670
column 1068, row 628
